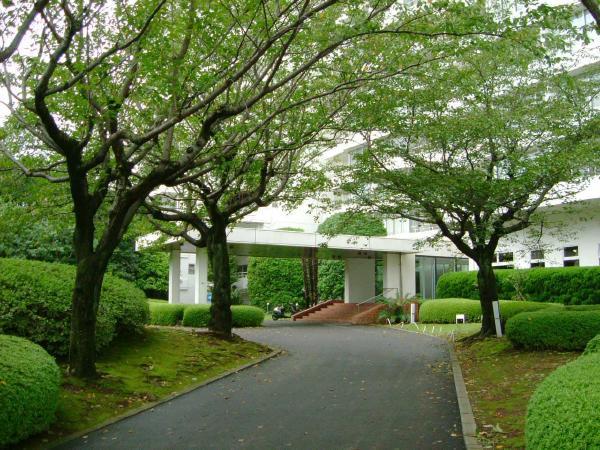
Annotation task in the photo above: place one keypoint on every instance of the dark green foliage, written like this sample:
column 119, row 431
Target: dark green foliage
column 331, row 279
column 152, row 274
column 563, row 412
column 247, row 316
column 277, row 281
column 444, row 310
column 553, row 329
column 165, row 314
column 35, row 302
column 593, row 346
column 29, row 387
column 567, row 285
column 196, row 316
column 356, row 223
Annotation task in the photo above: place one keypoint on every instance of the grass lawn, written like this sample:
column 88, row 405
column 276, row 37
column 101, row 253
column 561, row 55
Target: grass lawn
column 500, row 381
column 445, row 330
column 143, row 369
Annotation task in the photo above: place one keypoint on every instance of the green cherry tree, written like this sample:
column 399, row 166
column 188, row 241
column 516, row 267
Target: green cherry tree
column 477, row 145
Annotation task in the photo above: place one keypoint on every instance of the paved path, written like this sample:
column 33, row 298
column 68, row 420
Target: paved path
column 336, row 387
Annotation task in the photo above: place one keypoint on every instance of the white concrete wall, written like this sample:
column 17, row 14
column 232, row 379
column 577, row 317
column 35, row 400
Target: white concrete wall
column 359, row 279
column 578, row 227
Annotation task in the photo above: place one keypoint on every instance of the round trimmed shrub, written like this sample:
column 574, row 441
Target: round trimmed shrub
column 593, row 346
column 445, row 310
column 553, row 329
column 247, row 316
column 29, row 388
column 35, row 303
column 563, row 412
column 567, row 285
column 196, row 316
column 165, row 314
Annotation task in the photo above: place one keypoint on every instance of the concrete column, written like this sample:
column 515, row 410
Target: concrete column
column 174, row 276
column 399, row 275
column 359, row 279
column 408, row 277
column 201, row 276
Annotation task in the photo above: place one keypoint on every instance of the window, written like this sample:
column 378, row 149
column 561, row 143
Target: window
column 242, row 270
column 505, row 266
column 505, row 257
column 191, row 269
column 571, row 252
column 538, row 264
column 537, row 254
column 571, row 263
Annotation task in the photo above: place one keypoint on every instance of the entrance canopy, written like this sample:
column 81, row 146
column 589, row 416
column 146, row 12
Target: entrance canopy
column 358, row 253
column 292, row 244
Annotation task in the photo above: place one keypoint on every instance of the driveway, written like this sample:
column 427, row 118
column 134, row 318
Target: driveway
column 335, row 387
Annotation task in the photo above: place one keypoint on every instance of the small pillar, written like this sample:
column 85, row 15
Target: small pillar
column 359, row 279
column 174, row 276
column 201, row 276
column 408, row 277
column 392, row 280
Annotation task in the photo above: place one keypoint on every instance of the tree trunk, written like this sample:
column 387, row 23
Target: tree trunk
column 488, row 293
column 310, row 271
column 85, row 301
column 220, row 310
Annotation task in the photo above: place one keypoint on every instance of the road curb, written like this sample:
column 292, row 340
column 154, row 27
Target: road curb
column 467, row 419
column 148, row 406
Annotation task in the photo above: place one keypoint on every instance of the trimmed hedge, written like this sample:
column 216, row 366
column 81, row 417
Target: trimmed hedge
column 35, row 303
column 445, row 310
column 247, row 316
column 29, row 388
column 165, row 314
column 563, row 412
column 196, row 316
column 243, row 316
column 567, row 285
column 555, row 330
column 593, row 346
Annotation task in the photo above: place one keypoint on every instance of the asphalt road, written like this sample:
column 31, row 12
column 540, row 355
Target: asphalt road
column 335, row 387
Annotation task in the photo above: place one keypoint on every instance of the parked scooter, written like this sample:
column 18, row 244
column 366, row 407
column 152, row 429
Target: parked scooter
column 278, row 313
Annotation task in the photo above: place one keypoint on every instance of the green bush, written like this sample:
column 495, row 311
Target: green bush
column 567, row 285
column 351, row 222
column 35, row 303
column 247, row 316
column 593, row 346
column 331, row 279
column 196, row 316
column 165, row 314
column 277, row 281
column 553, row 329
column 445, row 310
column 29, row 387
column 563, row 411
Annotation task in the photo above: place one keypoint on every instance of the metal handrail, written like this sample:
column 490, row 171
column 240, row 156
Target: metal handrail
column 382, row 295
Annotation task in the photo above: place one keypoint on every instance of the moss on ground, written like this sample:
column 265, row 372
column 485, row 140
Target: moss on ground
column 500, row 380
column 140, row 370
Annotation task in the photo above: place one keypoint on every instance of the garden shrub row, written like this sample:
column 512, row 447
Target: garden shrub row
column 567, row 285
column 35, row 303
column 29, row 389
column 445, row 310
column 563, row 412
column 553, row 329
column 199, row 315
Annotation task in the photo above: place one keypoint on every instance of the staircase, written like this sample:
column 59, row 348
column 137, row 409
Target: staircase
column 336, row 311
